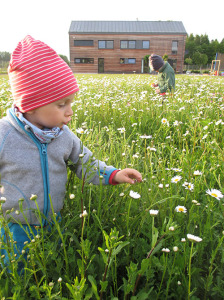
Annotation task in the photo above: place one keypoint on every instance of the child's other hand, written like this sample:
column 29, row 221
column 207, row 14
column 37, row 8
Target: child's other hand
column 127, row 176
column 158, row 91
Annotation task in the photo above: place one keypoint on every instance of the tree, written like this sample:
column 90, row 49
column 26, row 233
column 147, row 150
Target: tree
column 165, row 57
column 202, row 45
column 4, row 59
column 221, row 47
column 188, row 61
column 5, row 56
column 200, row 59
column 64, row 57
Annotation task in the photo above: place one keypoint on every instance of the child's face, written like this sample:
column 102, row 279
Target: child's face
column 55, row 114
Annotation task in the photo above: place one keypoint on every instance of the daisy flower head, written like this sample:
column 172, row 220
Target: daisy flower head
column 153, row 212
column 165, row 122
column 197, row 173
column 176, row 169
column 181, row 209
column 176, row 179
column 145, row 136
column 166, row 250
column 194, row 238
column 84, row 214
column 215, row 193
column 188, row 186
column 134, row 195
column 122, row 130
column 81, row 130
column 151, row 149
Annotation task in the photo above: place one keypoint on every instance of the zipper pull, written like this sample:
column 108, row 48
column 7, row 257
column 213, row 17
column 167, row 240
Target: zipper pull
column 44, row 149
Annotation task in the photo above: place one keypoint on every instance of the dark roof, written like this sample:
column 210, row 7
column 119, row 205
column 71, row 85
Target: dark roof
column 128, row 27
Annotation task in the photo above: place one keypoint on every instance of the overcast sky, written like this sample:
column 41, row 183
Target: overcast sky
column 49, row 20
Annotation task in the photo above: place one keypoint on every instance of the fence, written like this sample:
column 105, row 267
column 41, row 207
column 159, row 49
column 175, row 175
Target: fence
column 197, row 67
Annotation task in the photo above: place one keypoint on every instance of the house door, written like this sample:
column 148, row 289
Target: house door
column 100, row 65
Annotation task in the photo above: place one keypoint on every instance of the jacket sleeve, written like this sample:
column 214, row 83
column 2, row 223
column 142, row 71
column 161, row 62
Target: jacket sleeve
column 85, row 164
column 167, row 82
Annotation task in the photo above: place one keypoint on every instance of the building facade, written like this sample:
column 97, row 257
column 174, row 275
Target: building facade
column 121, row 46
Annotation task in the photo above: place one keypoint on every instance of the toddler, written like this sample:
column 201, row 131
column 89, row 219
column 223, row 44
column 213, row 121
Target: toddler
column 166, row 75
column 36, row 144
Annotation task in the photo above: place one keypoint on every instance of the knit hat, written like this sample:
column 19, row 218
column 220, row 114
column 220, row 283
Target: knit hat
column 156, row 62
column 38, row 76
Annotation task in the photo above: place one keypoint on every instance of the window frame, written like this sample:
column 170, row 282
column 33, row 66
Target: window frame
column 127, row 61
column 174, row 48
column 83, row 41
column 106, row 44
column 128, row 44
column 84, row 60
column 143, row 44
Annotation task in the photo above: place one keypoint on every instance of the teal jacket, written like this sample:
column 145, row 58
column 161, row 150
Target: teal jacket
column 166, row 78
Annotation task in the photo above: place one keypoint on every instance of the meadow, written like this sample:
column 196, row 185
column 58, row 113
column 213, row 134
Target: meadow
column 158, row 239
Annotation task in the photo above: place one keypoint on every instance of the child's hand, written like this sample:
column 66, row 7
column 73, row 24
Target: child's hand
column 158, row 91
column 127, row 176
column 154, row 84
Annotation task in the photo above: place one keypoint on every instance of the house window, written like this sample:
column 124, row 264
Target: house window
column 83, row 43
column 84, row 60
column 145, row 44
column 174, row 47
column 105, row 44
column 128, row 44
column 127, row 60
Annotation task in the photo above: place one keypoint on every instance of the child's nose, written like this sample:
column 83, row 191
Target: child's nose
column 69, row 111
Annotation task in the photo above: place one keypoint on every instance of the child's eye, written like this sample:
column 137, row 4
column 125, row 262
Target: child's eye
column 61, row 105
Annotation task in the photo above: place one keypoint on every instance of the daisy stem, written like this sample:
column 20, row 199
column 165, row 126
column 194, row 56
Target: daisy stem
column 171, row 273
column 189, row 272
column 164, row 271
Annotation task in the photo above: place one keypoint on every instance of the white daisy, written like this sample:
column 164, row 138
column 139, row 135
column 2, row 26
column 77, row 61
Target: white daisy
column 175, row 179
column 188, row 186
column 194, row 238
column 165, row 122
column 197, row 173
column 153, row 212
column 122, row 130
column 175, row 123
column 145, row 136
column 151, row 149
column 176, row 169
column 166, row 250
column 81, row 130
column 180, row 208
column 215, row 193
column 84, row 214
column 134, row 195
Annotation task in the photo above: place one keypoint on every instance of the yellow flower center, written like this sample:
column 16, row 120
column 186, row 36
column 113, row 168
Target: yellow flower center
column 176, row 179
column 214, row 195
column 181, row 209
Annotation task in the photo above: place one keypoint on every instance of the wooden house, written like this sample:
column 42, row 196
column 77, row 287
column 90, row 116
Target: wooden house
column 121, row 46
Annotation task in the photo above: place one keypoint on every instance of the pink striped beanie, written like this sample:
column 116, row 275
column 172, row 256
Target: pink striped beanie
column 38, row 76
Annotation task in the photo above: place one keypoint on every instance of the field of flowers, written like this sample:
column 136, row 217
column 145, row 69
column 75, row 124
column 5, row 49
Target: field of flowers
column 159, row 239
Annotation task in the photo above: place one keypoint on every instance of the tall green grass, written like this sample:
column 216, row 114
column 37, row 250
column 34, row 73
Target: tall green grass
column 118, row 250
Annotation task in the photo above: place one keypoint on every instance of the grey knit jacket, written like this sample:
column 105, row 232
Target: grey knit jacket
column 29, row 167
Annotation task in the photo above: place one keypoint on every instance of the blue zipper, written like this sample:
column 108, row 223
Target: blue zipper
column 44, row 167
